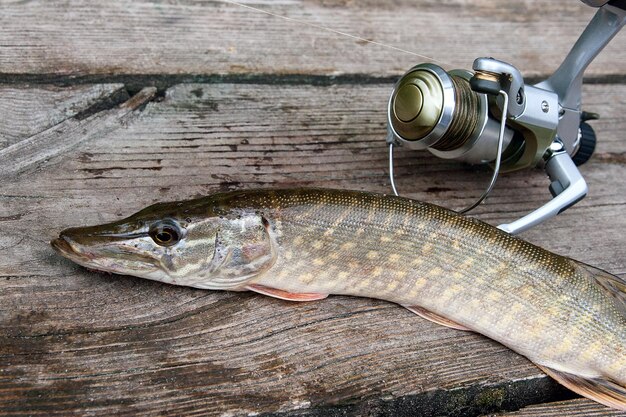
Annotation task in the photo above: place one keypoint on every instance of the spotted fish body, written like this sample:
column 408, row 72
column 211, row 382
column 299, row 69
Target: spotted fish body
column 302, row 244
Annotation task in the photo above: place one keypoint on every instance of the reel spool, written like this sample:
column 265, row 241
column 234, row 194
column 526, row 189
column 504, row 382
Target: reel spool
column 491, row 116
column 436, row 110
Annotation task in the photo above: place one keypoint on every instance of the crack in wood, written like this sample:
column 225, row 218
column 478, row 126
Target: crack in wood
column 106, row 103
column 135, row 82
column 469, row 401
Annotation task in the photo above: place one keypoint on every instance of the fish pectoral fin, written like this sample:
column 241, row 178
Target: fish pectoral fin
column 435, row 318
column 598, row 389
column 285, row 295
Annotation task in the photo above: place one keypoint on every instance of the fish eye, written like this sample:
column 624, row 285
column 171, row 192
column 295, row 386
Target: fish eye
column 165, row 233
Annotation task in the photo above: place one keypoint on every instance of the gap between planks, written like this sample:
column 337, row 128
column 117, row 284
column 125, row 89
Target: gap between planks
column 134, row 83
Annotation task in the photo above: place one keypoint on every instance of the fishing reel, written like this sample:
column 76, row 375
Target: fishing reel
column 491, row 116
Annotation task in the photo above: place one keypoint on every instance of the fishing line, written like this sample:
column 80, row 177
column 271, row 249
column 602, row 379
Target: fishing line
column 338, row 32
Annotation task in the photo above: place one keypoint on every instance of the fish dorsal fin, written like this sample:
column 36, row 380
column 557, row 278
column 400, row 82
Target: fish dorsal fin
column 598, row 389
column 285, row 295
column 435, row 318
column 613, row 285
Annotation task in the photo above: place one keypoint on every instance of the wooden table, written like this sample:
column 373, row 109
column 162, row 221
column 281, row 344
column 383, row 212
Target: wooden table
column 110, row 106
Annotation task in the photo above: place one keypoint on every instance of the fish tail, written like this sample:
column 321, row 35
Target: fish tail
column 599, row 389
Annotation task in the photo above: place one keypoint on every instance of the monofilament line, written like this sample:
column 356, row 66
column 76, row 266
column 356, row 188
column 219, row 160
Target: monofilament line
column 314, row 25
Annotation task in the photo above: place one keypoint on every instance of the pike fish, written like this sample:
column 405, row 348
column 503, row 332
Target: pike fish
column 304, row 244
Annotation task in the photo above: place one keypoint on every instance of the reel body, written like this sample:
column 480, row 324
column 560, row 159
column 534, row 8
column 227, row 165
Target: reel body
column 489, row 115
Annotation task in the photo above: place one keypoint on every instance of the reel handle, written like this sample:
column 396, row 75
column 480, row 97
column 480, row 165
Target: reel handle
column 567, row 186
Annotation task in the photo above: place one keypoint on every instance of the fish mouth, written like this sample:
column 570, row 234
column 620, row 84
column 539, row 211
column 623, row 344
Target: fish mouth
column 101, row 257
column 64, row 247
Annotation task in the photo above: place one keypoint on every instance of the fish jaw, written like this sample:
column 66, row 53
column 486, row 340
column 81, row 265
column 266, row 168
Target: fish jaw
column 64, row 247
column 103, row 252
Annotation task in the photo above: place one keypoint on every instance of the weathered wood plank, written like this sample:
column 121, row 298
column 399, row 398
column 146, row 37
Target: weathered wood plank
column 67, row 135
column 33, row 110
column 76, row 341
column 81, row 37
column 571, row 408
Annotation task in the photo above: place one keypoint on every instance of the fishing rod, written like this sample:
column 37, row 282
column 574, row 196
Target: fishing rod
column 491, row 116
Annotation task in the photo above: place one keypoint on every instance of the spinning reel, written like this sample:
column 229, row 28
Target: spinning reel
column 491, row 116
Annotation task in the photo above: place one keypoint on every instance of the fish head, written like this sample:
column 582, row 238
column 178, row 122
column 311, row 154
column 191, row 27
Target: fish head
column 200, row 245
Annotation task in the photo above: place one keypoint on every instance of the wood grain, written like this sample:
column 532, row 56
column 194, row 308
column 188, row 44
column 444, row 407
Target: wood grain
column 78, row 342
column 70, row 133
column 80, row 37
column 53, row 105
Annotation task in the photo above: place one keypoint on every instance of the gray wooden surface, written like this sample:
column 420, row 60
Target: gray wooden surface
column 244, row 100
